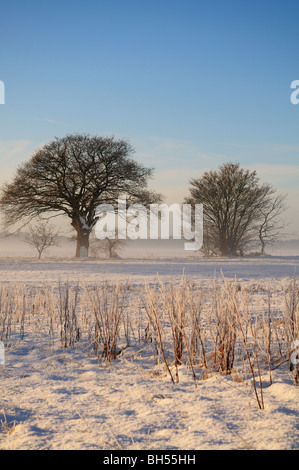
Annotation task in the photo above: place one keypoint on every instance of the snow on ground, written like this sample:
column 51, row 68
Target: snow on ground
column 36, row 271
column 68, row 401
column 54, row 398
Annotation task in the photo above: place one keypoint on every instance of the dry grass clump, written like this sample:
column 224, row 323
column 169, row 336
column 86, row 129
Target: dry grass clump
column 8, row 428
column 213, row 330
column 107, row 305
column 220, row 328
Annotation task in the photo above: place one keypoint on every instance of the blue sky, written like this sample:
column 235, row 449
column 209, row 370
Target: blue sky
column 191, row 84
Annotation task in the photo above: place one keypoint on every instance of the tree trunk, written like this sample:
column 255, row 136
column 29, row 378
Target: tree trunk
column 83, row 232
column 226, row 249
column 110, row 250
column 82, row 246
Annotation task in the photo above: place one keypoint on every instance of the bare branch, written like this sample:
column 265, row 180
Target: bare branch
column 72, row 176
column 42, row 236
column 235, row 205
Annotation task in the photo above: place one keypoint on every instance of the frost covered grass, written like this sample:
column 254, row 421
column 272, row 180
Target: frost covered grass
column 162, row 364
column 207, row 329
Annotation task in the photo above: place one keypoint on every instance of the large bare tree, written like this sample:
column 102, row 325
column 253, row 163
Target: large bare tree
column 237, row 208
column 72, row 176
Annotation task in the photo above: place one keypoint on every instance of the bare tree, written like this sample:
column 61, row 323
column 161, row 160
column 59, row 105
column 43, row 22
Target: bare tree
column 72, row 176
column 42, row 236
column 110, row 247
column 269, row 229
column 234, row 205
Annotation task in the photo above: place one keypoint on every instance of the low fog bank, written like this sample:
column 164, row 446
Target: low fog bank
column 15, row 246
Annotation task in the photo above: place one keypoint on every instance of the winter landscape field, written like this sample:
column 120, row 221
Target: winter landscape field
column 149, row 231
column 144, row 354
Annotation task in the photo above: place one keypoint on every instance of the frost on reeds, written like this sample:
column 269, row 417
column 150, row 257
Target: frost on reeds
column 107, row 304
column 13, row 307
column 167, row 308
column 292, row 326
column 221, row 326
column 221, row 329
column 198, row 325
column 67, row 305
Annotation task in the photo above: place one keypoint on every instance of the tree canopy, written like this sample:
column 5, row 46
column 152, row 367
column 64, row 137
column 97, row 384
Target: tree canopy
column 72, row 176
column 235, row 206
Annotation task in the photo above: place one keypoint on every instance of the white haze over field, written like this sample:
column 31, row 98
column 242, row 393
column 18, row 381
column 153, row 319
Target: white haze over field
column 15, row 246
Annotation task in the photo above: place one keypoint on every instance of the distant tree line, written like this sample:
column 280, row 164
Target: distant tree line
column 74, row 174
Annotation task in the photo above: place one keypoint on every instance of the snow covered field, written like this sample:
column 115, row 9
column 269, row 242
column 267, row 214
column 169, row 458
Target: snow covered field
column 65, row 398
column 33, row 271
